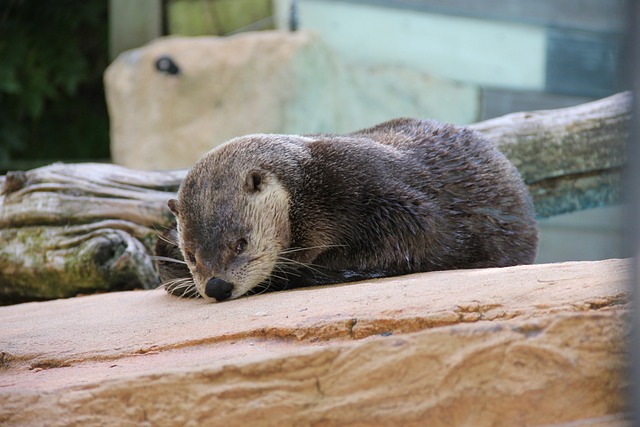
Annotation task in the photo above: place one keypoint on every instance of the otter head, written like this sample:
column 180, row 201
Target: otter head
column 233, row 221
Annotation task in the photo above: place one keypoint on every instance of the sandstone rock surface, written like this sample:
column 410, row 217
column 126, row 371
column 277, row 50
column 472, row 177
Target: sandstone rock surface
column 530, row 345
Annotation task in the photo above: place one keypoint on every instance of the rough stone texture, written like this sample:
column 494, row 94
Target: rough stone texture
column 226, row 87
column 264, row 82
column 530, row 345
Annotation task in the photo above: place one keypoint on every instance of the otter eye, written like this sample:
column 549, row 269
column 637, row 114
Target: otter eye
column 241, row 245
column 190, row 257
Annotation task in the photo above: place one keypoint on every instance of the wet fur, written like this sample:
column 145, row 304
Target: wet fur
column 401, row 197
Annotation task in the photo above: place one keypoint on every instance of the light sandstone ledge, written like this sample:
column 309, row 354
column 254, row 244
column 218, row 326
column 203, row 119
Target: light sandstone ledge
column 529, row 345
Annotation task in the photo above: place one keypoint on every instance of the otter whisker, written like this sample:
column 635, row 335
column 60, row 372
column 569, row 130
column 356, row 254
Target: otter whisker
column 187, row 293
column 175, row 281
column 288, row 270
column 292, row 250
column 191, row 293
column 312, row 267
column 275, row 276
column 167, row 259
column 292, row 262
column 262, row 287
column 165, row 239
column 173, row 287
column 162, row 236
column 257, row 258
column 182, row 287
column 179, row 286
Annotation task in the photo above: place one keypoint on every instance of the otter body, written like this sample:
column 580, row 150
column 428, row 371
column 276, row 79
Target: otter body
column 280, row 211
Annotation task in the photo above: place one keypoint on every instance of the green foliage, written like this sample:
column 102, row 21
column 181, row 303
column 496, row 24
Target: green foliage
column 52, row 56
column 219, row 17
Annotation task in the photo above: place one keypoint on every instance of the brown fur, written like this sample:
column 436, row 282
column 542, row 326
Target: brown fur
column 405, row 196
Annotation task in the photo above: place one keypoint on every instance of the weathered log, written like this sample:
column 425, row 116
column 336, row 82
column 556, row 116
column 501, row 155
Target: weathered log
column 46, row 262
column 570, row 158
column 69, row 229
column 62, row 194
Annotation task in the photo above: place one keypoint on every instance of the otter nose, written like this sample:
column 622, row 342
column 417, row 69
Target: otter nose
column 218, row 289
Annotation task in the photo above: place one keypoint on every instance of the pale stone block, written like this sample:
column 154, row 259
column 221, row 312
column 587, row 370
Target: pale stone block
column 267, row 82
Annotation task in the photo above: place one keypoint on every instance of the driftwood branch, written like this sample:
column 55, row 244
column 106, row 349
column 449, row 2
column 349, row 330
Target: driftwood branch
column 44, row 262
column 68, row 229
column 571, row 158
column 80, row 193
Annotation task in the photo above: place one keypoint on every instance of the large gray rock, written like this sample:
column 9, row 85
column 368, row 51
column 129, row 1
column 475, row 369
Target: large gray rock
column 263, row 82
column 529, row 345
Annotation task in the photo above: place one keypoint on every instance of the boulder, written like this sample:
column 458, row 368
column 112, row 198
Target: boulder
column 211, row 89
column 221, row 87
column 528, row 345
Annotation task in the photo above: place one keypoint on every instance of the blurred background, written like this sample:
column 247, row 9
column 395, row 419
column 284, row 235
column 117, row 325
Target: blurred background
column 458, row 61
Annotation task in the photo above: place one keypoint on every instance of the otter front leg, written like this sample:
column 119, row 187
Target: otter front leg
column 317, row 276
column 174, row 274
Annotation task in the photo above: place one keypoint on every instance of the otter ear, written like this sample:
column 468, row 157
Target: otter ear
column 254, row 181
column 173, row 205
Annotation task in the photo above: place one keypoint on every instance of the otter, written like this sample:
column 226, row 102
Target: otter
column 272, row 212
